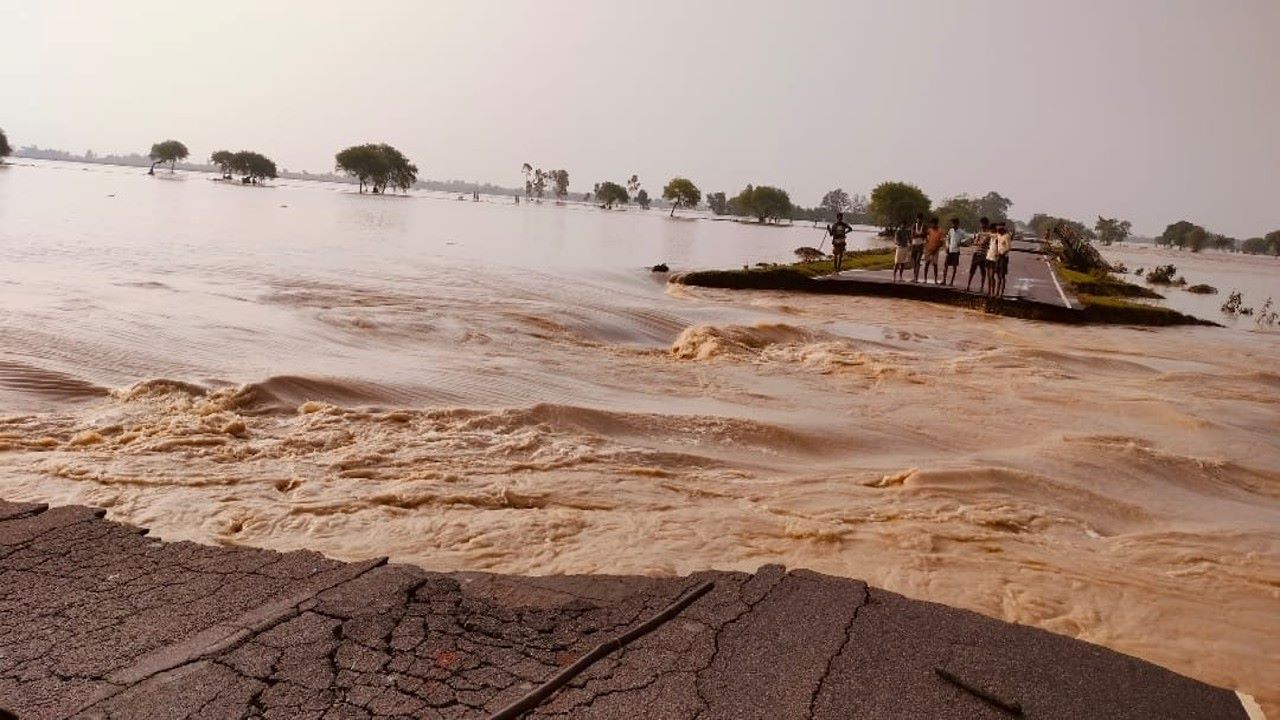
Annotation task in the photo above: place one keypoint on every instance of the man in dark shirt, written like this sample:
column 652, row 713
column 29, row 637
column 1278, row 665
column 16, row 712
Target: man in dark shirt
column 839, row 232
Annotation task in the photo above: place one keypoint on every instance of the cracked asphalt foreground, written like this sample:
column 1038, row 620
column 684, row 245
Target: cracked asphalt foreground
column 99, row 621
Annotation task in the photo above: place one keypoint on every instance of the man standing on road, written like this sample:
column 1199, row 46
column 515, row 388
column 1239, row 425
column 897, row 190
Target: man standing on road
column 839, row 232
column 955, row 238
column 901, row 252
column 998, row 268
column 933, row 249
column 978, row 260
column 918, row 232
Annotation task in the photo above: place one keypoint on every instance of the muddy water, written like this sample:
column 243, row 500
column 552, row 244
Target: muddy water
column 484, row 386
column 1255, row 277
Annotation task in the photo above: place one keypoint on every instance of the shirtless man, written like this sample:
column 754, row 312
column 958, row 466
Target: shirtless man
column 978, row 260
column 935, row 236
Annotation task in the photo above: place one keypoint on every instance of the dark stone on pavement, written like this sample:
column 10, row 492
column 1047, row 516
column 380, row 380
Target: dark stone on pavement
column 99, row 621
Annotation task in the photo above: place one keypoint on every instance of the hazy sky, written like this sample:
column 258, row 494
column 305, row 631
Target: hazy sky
column 1153, row 110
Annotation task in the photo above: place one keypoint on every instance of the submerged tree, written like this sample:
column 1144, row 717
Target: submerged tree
column 539, row 183
column 377, row 165
column 894, row 203
column 5, row 150
column 560, row 183
column 168, row 151
column 1178, row 234
column 642, row 199
column 764, row 203
column 681, row 192
column 718, row 203
column 249, row 165
column 1112, row 230
column 253, row 166
column 610, row 194
column 527, row 170
column 1269, row 244
column 401, row 174
column 223, row 159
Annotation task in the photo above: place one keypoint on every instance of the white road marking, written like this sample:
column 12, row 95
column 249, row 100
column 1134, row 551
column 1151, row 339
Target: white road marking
column 1057, row 284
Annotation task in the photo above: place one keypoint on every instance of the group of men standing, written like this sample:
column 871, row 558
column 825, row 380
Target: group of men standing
column 927, row 246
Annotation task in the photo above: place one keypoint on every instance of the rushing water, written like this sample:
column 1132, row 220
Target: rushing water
column 1255, row 277
column 501, row 387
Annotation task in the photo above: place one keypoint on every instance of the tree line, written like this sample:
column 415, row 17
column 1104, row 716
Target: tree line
column 1186, row 235
column 378, row 166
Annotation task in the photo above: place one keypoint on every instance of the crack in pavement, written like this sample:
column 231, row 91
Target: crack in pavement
column 98, row 621
column 848, row 637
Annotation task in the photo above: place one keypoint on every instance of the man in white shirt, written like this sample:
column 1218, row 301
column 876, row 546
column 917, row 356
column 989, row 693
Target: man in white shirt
column 918, row 232
column 998, row 260
column 955, row 238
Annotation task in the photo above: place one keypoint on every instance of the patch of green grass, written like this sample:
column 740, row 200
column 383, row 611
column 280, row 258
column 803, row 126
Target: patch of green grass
column 1103, row 284
column 1110, row 309
column 774, row 275
column 800, row 277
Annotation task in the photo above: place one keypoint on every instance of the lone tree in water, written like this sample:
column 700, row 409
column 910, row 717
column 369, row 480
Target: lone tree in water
column 560, row 183
column 642, row 199
column 169, row 151
column 681, row 192
column 610, row 194
column 223, row 159
column 251, row 166
column 764, row 203
column 5, row 150
column 1112, row 230
column 893, row 203
column 377, row 166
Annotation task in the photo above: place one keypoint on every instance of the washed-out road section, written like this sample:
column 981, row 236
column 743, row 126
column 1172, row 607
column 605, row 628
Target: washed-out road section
column 99, row 621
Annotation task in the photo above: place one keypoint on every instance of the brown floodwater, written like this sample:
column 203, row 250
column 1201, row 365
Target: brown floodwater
column 497, row 387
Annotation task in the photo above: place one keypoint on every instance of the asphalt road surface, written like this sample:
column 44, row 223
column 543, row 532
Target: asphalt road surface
column 99, row 621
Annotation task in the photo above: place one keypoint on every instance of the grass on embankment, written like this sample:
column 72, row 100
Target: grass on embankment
column 1118, row 311
column 795, row 276
column 1104, row 284
column 1106, row 307
column 1103, row 296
